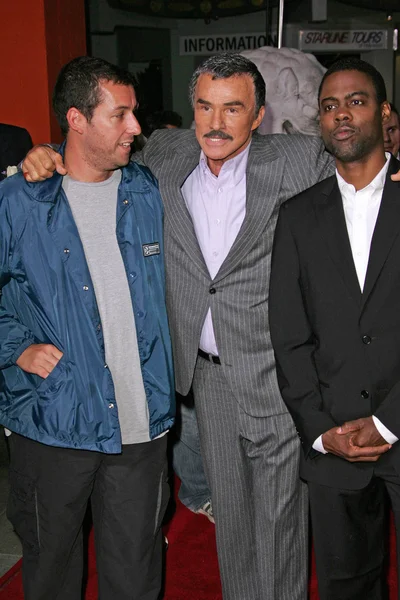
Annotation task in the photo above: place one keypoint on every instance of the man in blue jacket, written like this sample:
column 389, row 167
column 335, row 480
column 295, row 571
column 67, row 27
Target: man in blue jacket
column 86, row 381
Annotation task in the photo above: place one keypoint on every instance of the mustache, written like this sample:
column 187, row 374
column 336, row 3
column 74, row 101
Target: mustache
column 216, row 133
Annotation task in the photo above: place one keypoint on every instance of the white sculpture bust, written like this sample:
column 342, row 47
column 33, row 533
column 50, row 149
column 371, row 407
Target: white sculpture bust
column 292, row 79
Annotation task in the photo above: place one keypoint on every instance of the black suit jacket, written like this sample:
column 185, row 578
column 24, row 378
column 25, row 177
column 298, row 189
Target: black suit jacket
column 15, row 142
column 337, row 349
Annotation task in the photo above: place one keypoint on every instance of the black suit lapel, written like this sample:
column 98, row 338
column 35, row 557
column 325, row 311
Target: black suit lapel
column 386, row 230
column 332, row 223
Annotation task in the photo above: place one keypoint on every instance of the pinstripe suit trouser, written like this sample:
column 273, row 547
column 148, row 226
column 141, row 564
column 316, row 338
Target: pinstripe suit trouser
column 259, row 502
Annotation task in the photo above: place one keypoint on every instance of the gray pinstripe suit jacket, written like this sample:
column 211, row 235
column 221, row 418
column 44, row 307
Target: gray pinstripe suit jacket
column 279, row 167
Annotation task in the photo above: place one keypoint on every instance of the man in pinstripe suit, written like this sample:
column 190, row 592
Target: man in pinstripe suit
column 222, row 186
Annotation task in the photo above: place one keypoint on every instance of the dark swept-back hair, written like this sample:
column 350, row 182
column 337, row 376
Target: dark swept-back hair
column 78, row 86
column 222, row 66
column 350, row 63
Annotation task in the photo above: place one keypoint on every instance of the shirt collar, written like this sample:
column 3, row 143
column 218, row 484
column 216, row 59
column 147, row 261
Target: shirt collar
column 234, row 168
column 376, row 184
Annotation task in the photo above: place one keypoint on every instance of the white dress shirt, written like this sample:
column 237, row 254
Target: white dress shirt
column 217, row 206
column 361, row 210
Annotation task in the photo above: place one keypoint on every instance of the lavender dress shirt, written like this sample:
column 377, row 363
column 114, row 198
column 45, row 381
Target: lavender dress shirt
column 217, row 206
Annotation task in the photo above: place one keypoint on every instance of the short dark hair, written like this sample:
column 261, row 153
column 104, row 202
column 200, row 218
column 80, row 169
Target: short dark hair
column 350, row 63
column 78, row 86
column 222, row 66
column 393, row 109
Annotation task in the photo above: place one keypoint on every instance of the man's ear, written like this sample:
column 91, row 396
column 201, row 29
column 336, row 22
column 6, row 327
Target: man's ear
column 385, row 111
column 76, row 121
column 259, row 118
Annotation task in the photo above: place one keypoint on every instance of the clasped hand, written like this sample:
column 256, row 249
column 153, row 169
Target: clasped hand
column 356, row 441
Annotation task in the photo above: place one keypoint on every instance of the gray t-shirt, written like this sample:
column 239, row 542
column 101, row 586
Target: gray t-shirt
column 94, row 208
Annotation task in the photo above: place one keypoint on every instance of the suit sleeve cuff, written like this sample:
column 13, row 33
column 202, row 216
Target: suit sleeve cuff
column 318, row 445
column 384, row 431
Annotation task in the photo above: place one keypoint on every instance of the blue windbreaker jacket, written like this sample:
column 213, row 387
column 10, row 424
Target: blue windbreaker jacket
column 47, row 297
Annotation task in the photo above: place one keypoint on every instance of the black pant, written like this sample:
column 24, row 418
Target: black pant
column 50, row 490
column 350, row 537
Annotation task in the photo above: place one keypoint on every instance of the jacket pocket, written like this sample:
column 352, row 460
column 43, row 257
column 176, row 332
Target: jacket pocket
column 55, row 380
column 22, row 509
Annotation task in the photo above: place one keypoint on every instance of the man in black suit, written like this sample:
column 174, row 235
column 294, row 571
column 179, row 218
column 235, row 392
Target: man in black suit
column 335, row 327
column 15, row 142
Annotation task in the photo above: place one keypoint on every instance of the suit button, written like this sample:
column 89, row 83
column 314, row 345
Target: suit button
column 212, row 290
column 364, row 394
column 366, row 339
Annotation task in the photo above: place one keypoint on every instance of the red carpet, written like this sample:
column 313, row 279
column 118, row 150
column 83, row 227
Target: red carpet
column 191, row 571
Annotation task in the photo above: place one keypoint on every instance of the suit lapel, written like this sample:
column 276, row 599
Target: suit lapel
column 385, row 232
column 263, row 183
column 332, row 223
column 185, row 160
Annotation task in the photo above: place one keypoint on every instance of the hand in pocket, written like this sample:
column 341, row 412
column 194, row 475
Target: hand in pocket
column 39, row 359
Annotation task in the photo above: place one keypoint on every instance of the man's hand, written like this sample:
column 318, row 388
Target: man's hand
column 41, row 162
column 363, row 432
column 39, row 359
column 396, row 176
column 344, row 446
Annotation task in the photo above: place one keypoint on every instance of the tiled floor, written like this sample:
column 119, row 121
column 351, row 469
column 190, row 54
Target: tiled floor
column 10, row 547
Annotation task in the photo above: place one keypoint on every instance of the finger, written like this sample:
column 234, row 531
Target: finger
column 366, row 441
column 369, row 451
column 43, row 368
column 51, row 355
column 55, row 352
column 45, row 168
column 32, row 175
column 48, row 158
column 353, row 425
column 60, row 165
column 42, row 373
column 349, row 427
column 396, row 176
column 33, row 171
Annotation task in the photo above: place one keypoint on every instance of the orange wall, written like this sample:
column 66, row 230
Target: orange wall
column 37, row 38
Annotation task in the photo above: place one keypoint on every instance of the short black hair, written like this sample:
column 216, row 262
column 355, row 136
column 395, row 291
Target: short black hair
column 78, row 86
column 227, row 64
column 393, row 109
column 351, row 63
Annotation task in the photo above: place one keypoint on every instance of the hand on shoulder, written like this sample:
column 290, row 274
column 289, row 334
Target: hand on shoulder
column 41, row 162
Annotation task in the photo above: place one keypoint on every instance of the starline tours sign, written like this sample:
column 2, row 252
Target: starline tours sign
column 213, row 44
column 346, row 39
